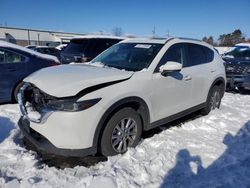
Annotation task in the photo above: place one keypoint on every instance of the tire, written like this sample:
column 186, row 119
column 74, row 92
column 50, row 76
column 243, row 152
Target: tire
column 242, row 90
column 16, row 92
column 213, row 100
column 123, row 130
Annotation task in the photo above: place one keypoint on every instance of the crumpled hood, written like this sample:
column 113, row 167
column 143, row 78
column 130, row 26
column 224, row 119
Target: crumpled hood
column 68, row 80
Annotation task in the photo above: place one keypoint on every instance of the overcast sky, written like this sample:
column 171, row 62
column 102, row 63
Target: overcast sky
column 186, row 18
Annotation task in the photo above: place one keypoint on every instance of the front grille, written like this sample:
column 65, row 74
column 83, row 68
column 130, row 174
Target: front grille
column 237, row 69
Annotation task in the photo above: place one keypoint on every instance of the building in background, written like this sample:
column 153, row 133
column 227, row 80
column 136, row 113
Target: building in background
column 26, row 37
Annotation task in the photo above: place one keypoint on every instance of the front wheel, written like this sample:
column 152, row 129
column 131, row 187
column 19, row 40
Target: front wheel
column 123, row 130
column 242, row 90
column 213, row 100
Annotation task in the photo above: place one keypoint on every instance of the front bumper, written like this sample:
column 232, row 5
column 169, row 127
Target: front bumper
column 44, row 146
column 238, row 81
column 63, row 130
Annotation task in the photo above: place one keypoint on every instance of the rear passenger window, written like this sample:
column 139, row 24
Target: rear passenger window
column 174, row 53
column 10, row 57
column 1, row 56
column 198, row 54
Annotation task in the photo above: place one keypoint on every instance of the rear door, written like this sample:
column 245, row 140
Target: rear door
column 12, row 71
column 200, row 62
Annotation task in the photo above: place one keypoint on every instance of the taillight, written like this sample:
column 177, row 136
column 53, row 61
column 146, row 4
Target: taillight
column 85, row 59
column 53, row 63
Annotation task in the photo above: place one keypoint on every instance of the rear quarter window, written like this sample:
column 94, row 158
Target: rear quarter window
column 198, row 54
column 209, row 53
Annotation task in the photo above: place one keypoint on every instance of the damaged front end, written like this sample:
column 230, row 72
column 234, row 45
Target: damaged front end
column 33, row 103
column 36, row 106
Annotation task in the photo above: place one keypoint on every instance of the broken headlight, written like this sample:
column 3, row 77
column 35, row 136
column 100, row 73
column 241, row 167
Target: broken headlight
column 70, row 105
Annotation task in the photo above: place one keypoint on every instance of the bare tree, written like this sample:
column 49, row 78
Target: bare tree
column 117, row 31
column 209, row 40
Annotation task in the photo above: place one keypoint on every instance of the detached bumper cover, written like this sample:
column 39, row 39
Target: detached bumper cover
column 238, row 81
column 44, row 146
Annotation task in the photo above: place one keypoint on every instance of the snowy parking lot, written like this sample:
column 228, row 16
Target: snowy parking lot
column 208, row 151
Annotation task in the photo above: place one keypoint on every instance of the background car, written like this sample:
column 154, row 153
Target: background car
column 48, row 50
column 31, row 47
column 86, row 48
column 16, row 63
column 61, row 47
column 237, row 63
column 243, row 45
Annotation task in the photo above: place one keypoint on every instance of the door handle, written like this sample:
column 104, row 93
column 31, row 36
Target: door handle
column 188, row 77
column 11, row 69
column 213, row 70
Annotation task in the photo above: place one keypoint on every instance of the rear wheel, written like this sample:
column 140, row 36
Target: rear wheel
column 213, row 100
column 123, row 130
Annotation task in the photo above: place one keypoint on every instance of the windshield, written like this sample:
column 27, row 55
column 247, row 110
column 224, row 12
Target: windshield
column 239, row 52
column 128, row 56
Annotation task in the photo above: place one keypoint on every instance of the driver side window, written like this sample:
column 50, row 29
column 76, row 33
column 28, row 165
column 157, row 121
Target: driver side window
column 174, row 53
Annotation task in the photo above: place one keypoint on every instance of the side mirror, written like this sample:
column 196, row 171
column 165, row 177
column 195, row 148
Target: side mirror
column 170, row 66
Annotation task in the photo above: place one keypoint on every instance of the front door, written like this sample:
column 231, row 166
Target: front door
column 172, row 92
column 12, row 69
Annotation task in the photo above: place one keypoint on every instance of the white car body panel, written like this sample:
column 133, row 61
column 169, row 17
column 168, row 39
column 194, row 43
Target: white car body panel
column 68, row 80
column 171, row 94
column 79, row 127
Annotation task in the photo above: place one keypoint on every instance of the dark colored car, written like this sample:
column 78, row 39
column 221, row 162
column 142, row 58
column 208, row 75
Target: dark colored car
column 15, row 64
column 32, row 47
column 84, row 49
column 237, row 63
column 48, row 50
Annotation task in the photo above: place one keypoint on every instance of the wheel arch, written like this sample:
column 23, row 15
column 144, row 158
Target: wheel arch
column 136, row 103
column 17, row 84
column 220, row 81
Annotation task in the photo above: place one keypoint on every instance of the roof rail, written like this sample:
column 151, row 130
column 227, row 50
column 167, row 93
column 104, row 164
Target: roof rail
column 163, row 38
column 170, row 38
column 184, row 38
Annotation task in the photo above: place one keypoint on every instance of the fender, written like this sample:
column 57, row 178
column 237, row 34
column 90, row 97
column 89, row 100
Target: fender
column 141, row 108
column 218, row 80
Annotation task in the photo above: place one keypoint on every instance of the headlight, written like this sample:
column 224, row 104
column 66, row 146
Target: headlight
column 229, row 68
column 248, row 71
column 70, row 105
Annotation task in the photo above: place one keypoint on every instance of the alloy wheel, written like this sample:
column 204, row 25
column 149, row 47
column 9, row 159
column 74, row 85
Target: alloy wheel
column 215, row 100
column 124, row 134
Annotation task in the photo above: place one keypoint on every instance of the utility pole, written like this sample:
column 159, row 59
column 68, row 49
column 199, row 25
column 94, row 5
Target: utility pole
column 38, row 36
column 28, row 36
column 168, row 33
column 153, row 32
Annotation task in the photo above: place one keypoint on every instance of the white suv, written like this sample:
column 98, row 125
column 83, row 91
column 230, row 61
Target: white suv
column 103, row 106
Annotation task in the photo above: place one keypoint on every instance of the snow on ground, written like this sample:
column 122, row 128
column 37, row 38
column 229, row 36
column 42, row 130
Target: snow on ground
column 209, row 151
